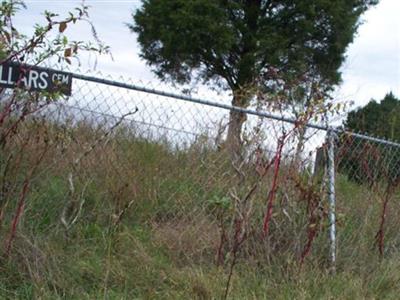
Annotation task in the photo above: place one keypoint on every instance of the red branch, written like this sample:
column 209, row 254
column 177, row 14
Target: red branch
column 20, row 209
column 380, row 235
column 21, row 203
column 272, row 193
column 223, row 239
column 312, row 230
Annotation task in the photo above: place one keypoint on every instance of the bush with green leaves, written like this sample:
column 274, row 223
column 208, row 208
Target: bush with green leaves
column 20, row 126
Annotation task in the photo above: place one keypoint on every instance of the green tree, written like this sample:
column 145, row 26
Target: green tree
column 378, row 119
column 368, row 161
column 243, row 45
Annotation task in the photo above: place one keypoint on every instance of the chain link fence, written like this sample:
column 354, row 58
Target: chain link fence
column 118, row 154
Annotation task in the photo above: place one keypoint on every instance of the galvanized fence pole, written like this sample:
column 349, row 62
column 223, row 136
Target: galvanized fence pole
column 332, row 197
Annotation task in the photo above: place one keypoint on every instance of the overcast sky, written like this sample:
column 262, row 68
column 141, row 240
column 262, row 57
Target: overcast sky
column 371, row 70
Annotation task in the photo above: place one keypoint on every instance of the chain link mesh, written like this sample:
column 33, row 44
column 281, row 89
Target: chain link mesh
column 112, row 156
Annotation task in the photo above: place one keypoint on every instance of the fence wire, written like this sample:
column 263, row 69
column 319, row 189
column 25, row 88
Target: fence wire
column 117, row 154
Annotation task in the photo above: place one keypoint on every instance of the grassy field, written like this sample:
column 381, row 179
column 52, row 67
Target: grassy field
column 136, row 219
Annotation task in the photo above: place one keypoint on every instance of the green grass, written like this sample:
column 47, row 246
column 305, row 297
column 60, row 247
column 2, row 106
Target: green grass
column 164, row 244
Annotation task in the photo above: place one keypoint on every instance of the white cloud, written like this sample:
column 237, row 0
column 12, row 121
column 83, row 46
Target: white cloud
column 372, row 67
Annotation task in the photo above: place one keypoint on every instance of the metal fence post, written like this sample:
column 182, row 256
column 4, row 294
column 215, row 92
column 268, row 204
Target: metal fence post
column 332, row 197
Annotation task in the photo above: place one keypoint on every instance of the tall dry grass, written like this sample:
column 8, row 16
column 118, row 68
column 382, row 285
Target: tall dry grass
column 154, row 221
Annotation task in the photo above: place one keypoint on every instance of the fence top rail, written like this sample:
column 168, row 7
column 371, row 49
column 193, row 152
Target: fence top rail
column 368, row 138
column 194, row 100
column 186, row 98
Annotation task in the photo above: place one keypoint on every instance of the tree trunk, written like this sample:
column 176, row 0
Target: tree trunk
column 236, row 121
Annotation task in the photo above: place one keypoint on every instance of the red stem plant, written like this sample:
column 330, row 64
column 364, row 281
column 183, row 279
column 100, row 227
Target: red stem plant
column 222, row 240
column 388, row 193
column 12, row 163
column 271, row 195
column 239, row 237
column 22, row 200
column 243, row 213
column 315, row 213
column 16, row 108
column 374, row 165
column 277, row 163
